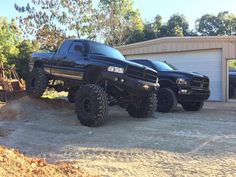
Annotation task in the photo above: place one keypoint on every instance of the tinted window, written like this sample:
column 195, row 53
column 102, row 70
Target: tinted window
column 76, row 48
column 100, row 49
column 62, row 51
column 162, row 66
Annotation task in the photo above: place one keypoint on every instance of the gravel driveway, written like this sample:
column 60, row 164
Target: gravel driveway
column 174, row 144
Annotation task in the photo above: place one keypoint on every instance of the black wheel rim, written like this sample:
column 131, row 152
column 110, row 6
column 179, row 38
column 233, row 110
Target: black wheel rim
column 163, row 99
column 87, row 106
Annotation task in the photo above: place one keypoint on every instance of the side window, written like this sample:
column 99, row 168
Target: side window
column 76, row 48
column 62, row 51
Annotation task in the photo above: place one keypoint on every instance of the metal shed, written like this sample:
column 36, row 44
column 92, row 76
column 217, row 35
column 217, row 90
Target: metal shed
column 206, row 55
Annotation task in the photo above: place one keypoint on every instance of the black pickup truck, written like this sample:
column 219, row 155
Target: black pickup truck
column 96, row 76
column 189, row 89
column 232, row 83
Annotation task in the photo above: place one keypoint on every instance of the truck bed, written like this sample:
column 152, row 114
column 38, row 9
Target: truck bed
column 43, row 55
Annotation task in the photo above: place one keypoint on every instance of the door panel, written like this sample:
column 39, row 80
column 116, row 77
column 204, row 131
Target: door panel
column 72, row 64
column 59, row 57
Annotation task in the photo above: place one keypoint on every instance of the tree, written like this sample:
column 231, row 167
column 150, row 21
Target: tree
column 149, row 31
column 9, row 35
column 136, row 36
column 207, row 25
column 153, row 29
column 49, row 37
column 118, row 21
column 222, row 24
column 232, row 64
column 47, row 19
column 157, row 25
column 177, row 25
column 164, row 31
column 227, row 25
column 26, row 47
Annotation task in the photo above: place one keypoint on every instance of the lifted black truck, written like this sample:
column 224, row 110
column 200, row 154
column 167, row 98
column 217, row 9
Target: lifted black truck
column 96, row 76
column 191, row 90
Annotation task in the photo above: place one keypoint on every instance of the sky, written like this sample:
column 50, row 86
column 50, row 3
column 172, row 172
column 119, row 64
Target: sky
column 192, row 9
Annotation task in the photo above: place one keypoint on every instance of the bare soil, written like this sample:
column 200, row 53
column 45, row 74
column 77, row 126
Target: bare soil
column 173, row 144
column 15, row 164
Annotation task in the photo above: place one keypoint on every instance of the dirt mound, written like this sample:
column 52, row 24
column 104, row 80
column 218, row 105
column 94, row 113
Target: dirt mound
column 11, row 111
column 12, row 163
column 17, row 109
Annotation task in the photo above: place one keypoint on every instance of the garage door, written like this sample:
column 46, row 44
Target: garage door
column 207, row 62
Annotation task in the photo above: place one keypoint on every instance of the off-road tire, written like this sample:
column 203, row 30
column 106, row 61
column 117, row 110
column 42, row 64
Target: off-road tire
column 36, row 83
column 166, row 100
column 71, row 95
column 144, row 107
column 192, row 106
column 91, row 105
column 231, row 91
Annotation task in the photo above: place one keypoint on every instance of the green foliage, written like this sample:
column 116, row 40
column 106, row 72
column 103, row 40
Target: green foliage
column 119, row 21
column 26, row 47
column 154, row 29
column 53, row 21
column 157, row 25
column 14, row 51
column 114, row 21
column 177, row 25
column 232, row 64
column 149, row 31
column 9, row 39
column 49, row 37
column 222, row 24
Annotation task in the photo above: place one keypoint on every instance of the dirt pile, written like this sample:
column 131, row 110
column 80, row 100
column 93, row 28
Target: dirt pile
column 13, row 163
column 11, row 111
column 20, row 108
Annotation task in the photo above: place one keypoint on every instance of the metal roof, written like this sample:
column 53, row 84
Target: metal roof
column 178, row 44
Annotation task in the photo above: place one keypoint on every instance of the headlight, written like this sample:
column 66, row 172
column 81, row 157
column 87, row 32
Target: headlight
column 182, row 81
column 115, row 69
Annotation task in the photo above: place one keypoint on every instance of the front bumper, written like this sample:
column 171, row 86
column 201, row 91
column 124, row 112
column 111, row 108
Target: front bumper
column 129, row 84
column 193, row 94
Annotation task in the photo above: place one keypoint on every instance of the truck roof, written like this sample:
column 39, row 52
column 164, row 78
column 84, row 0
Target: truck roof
column 87, row 40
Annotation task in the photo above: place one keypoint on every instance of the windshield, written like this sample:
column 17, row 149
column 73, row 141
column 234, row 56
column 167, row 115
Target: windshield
column 100, row 49
column 163, row 66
